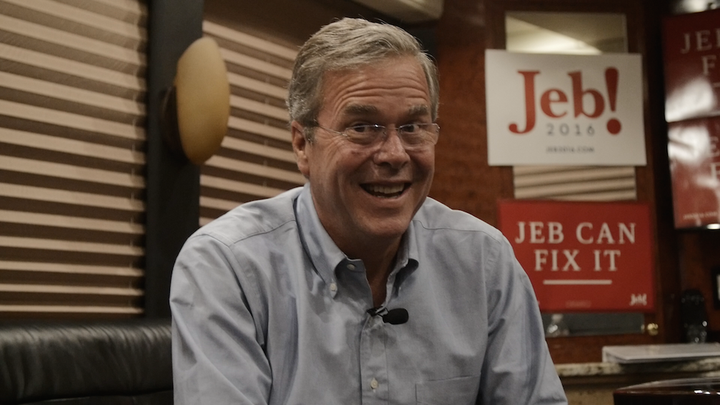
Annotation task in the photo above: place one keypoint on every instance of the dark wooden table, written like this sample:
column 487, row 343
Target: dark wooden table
column 686, row 391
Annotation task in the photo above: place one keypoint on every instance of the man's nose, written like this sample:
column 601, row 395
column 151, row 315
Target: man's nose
column 391, row 149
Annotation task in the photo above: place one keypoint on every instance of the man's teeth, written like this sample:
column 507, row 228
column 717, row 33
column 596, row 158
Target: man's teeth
column 385, row 190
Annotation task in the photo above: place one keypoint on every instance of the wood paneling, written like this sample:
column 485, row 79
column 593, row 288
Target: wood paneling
column 292, row 22
column 464, row 180
column 698, row 251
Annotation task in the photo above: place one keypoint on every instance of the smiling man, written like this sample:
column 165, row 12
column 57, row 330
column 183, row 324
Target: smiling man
column 357, row 288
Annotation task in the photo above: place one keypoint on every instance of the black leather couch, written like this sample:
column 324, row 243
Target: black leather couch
column 104, row 363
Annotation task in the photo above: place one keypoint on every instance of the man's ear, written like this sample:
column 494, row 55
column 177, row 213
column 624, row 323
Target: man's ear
column 300, row 143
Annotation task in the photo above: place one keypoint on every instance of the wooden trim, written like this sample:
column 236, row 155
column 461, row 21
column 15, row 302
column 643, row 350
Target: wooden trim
column 83, row 17
column 62, row 65
column 259, row 108
column 239, row 186
column 70, row 40
column 255, row 64
column 70, row 268
column 71, row 309
column 133, row 6
column 256, row 169
column 586, row 188
column 71, row 93
column 70, row 197
column 257, row 86
column 257, row 149
column 70, row 146
column 30, row 218
column 245, row 125
column 60, row 289
column 49, row 116
column 70, row 246
column 249, row 40
column 73, row 172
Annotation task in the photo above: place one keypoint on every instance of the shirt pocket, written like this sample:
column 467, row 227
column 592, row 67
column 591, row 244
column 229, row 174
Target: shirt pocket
column 453, row 391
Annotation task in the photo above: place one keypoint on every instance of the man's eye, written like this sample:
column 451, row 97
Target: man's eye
column 358, row 128
column 410, row 128
column 364, row 128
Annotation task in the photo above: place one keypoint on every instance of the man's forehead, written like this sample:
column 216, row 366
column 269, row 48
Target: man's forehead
column 369, row 109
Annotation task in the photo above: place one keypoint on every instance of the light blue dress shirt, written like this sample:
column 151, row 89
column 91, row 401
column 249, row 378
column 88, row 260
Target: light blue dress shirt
column 267, row 310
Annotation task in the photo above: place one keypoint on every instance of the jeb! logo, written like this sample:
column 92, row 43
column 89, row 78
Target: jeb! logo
column 552, row 100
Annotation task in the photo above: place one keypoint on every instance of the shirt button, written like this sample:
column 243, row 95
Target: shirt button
column 351, row 266
column 333, row 287
column 374, row 384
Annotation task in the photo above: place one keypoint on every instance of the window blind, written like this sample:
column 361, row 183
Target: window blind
column 575, row 183
column 255, row 159
column 72, row 160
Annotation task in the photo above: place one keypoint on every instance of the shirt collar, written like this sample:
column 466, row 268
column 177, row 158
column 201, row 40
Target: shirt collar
column 319, row 247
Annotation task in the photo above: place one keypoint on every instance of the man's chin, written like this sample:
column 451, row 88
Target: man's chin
column 388, row 228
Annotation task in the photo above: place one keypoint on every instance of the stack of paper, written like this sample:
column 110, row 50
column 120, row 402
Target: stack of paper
column 665, row 352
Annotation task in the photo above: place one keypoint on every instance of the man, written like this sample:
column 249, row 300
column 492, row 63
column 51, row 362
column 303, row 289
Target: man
column 357, row 289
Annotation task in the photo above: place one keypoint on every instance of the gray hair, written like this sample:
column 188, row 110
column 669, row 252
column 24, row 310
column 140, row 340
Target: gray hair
column 347, row 44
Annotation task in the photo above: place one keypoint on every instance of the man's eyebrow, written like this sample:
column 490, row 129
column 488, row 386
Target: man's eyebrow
column 360, row 109
column 419, row 110
column 365, row 109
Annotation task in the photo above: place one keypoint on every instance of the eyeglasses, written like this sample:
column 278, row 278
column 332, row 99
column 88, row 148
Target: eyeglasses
column 412, row 136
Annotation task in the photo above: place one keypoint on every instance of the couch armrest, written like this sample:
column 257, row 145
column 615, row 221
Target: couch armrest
column 49, row 360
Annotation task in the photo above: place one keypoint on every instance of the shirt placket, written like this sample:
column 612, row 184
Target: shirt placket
column 373, row 362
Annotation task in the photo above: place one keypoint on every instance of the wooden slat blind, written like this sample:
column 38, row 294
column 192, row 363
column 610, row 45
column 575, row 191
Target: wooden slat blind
column 589, row 183
column 72, row 161
column 256, row 159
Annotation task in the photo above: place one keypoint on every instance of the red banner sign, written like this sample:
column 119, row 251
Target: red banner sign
column 694, row 151
column 692, row 65
column 692, row 109
column 583, row 256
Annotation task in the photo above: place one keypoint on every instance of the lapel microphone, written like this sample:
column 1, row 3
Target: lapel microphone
column 396, row 316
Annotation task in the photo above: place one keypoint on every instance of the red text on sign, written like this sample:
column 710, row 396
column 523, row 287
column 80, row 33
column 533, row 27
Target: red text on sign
column 553, row 101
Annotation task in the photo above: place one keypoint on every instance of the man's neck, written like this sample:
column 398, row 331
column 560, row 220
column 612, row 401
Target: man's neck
column 378, row 260
column 377, row 271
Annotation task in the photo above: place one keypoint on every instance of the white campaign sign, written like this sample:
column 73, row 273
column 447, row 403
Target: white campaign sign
column 564, row 109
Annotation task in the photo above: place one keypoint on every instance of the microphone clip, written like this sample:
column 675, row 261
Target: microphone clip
column 381, row 310
column 395, row 316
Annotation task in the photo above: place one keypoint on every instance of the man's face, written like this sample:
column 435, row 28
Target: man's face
column 366, row 195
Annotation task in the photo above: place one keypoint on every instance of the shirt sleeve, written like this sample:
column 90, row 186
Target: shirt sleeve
column 217, row 346
column 517, row 368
